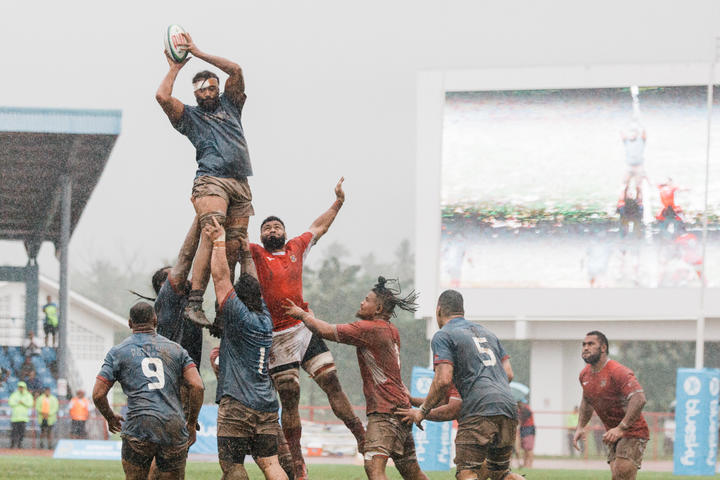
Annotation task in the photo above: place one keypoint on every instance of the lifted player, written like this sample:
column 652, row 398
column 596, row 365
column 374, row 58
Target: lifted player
column 220, row 189
column 279, row 267
column 248, row 413
column 612, row 390
column 150, row 369
column 473, row 359
column 378, row 351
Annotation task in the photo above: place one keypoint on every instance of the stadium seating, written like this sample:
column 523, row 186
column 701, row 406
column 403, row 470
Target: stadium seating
column 12, row 359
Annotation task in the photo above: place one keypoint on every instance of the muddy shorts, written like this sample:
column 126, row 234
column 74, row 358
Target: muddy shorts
column 296, row 346
column 387, row 435
column 628, row 448
column 245, row 431
column 235, row 192
column 168, row 458
column 485, row 438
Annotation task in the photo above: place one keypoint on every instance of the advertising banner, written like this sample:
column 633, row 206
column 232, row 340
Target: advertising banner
column 696, row 419
column 433, row 446
column 206, row 442
column 88, row 449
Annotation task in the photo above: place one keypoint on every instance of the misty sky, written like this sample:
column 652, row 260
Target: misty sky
column 305, row 128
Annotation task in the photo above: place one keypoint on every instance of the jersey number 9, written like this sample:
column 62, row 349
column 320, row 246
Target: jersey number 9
column 158, row 373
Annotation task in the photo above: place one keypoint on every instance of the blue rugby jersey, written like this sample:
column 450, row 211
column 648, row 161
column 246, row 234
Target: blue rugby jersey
column 476, row 355
column 149, row 367
column 244, row 351
column 169, row 308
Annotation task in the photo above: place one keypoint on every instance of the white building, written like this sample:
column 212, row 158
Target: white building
column 91, row 331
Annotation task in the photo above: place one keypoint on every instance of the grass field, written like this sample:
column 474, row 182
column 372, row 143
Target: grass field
column 41, row 468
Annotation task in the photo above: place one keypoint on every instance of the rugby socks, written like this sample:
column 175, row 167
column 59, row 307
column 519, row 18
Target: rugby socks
column 292, row 435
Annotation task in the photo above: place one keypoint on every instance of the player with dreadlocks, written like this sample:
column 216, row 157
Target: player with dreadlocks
column 378, row 352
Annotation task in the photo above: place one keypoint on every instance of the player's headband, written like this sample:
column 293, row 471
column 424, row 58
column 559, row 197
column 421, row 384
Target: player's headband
column 208, row 82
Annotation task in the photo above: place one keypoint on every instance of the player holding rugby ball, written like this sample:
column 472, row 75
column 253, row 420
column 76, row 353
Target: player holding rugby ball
column 214, row 127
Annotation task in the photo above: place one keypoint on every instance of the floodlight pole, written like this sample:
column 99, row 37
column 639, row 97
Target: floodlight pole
column 63, row 298
column 700, row 334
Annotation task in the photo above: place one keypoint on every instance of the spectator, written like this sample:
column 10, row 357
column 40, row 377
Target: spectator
column 527, row 433
column 26, row 368
column 79, row 413
column 50, row 325
column 571, row 421
column 46, row 407
column 34, row 385
column 30, row 345
column 4, row 375
column 20, row 403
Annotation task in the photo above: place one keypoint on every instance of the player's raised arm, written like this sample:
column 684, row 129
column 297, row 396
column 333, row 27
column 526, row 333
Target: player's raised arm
column 508, row 369
column 218, row 263
column 179, row 273
column 235, row 84
column 247, row 264
column 321, row 225
column 99, row 396
column 315, row 325
column 438, row 389
column 172, row 107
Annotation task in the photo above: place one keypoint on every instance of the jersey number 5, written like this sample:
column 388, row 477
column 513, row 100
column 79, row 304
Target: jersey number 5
column 490, row 361
column 158, row 373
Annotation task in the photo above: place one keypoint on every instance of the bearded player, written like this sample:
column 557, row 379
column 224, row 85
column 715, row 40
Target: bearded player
column 472, row 358
column 279, row 268
column 248, row 407
column 221, row 188
column 613, row 392
column 378, row 352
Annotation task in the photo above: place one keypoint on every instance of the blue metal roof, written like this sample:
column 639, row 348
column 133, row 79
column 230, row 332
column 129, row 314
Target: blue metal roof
column 58, row 120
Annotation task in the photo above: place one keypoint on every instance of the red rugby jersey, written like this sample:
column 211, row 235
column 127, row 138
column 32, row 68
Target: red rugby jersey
column 608, row 391
column 378, row 353
column 280, row 276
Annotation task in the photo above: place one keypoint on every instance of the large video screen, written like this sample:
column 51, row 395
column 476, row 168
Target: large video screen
column 578, row 188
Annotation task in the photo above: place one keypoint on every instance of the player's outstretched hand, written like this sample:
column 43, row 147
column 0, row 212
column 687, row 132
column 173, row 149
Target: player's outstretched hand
column 188, row 44
column 339, row 193
column 579, row 435
column 114, row 424
column 293, row 310
column 410, row 415
column 613, row 435
column 173, row 64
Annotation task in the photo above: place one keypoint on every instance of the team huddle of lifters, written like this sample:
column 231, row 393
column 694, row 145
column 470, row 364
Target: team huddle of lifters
column 268, row 332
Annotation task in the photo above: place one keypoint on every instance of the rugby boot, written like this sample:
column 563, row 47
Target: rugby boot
column 194, row 311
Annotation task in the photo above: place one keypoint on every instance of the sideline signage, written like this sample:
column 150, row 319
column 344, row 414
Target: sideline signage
column 432, row 446
column 696, row 420
column 88, row 449
column 206, row 439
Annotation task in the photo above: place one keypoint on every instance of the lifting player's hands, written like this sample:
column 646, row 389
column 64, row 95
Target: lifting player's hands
column 339, row 193
column 613, row 435
column 214, row 232
column 579, row 435
column 411, row 415
column 188, row 44
column 293, row 310
column 114, row 423
column 173, row 64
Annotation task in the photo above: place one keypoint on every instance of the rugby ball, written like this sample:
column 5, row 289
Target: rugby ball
column 174, row 37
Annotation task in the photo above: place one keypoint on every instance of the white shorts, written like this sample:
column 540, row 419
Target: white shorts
column 297, row 346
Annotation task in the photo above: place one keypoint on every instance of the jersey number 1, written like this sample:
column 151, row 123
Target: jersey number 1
column 158, row 373
column 489, row 362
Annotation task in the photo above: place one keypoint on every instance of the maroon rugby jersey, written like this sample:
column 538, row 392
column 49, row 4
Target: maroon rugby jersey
column 608, row 391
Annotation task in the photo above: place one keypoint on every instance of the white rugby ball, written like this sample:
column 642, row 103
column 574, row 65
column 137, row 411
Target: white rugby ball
column 174, row 37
